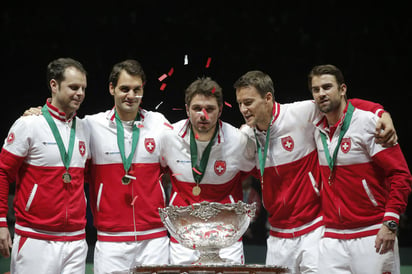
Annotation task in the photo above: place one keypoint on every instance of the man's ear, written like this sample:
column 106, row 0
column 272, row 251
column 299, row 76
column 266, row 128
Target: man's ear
column 343, row 89
column 54, row 86
column 111, row 88
column 187, row 110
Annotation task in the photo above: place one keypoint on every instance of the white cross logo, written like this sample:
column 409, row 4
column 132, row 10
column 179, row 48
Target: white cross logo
column 219, row 168
column 150, row 146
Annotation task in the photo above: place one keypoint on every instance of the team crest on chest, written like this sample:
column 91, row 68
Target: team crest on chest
column 10, row 138
column 345, row 145
column 220, row 167
column 288, row 143
column 82, row 148
column 149, row 144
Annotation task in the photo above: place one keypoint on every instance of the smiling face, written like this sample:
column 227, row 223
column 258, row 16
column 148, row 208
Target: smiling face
column 203, row 113
column 127, row 95
column 69, row 94
column 256, row 110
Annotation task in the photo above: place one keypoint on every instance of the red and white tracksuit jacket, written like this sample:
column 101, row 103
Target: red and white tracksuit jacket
column 126, row 212
column 45, row 207
column 230, row 161
column 291, row 179
column 370, row 184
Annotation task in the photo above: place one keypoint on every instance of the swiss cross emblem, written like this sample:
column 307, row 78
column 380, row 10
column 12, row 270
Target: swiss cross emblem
column 10, row 138
column 220, row 167
column 288, row 143
column 345, row 145
column 82, row 148
column 149, row 144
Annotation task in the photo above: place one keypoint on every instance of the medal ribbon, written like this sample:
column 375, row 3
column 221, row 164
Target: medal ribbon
column 345, row 126
column 262, row 158
column 66, row 157
column 205, row 156
column 120, row 141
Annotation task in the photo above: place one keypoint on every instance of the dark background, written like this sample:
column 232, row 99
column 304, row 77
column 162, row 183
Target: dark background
column 369, row 42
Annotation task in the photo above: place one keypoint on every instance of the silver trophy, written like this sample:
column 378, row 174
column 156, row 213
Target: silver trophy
column 208, row 227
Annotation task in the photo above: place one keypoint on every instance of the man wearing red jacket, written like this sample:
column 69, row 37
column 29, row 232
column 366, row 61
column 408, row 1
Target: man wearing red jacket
column 365, row 186
column 289, row 172
column 46, row 156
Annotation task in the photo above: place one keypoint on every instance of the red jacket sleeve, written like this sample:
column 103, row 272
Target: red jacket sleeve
column 368, row 106
column 9, row 166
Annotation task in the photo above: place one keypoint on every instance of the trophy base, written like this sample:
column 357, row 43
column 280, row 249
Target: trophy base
column 211, row 257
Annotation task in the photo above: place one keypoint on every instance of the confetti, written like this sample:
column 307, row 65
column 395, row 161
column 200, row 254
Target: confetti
column 213, row 90
column 159, row 105
column 170, row 72
column 177, row 108
column 140, row 126
column 227, row 104
column 163, row 86
column 205, row 113
column 134, row 200
column 197, row 136
column 176, row 174
column 168, row 125
column 197, row 171
column 208, row 62
column 161, row 78
column 186, row 61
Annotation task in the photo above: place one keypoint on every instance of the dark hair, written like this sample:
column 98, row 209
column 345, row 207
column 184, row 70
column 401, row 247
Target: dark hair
column 132, row 67
column 56, row 69
column 257, row 79
column 326, row 69
column 204, row 86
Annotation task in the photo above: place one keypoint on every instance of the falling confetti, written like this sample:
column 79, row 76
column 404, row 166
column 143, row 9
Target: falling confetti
column 159, row 105
column 213, row 90
column 227, row 104
column 134, row 200
column 177, row 108
column 163, row 86
column 186, row 61
column 170, row 72
column 208, row 62
column 197, row 171
column 161, row 78
column 205, row 113
column 168, row 125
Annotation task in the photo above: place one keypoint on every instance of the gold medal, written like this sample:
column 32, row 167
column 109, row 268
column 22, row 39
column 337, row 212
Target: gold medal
column 196, row 190
column 67, row 178
column 126, row 180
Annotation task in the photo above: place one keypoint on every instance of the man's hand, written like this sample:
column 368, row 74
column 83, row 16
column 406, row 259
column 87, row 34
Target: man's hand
column 385, row 240
column 385, row 133
column 5, row 242
column 32, row 111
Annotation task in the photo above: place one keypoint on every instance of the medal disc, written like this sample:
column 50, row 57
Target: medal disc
column 126, row 180
column 196, row 190
column 67, row 178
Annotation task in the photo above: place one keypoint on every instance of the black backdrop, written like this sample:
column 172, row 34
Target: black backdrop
column 368, row 41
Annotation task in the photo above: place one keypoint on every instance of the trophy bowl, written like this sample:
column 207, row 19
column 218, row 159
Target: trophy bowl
column 208, row 227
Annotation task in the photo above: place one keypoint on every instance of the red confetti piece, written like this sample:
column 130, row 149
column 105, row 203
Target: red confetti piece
column 227, row 104
column 168, row 125
column 161, row 78
column 134, row 200
column 170, row 72
column 197, row 136
column 177, row 108
column 197, row 171
column 140, row 126
column 208, row 62
column 205, row 113
column 176, row 174
column 213, row 90
column 163, row 86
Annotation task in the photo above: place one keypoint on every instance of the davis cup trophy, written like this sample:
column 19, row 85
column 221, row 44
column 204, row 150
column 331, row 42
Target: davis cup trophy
column 208, row 227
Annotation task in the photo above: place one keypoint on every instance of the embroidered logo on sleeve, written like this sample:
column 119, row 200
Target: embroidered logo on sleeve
column 149, row 144
column 82, row 148
column 345, row 145
column 10, row 138
column 288, row 143
column 220, row 167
